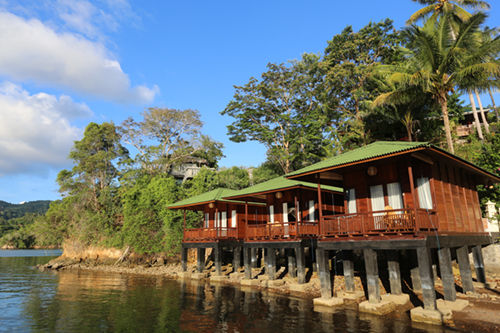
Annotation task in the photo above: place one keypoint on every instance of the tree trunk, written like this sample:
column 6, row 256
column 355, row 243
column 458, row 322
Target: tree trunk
column 408, row 132
column 493, row 103
column 483, row 115
column 444, row 109
column 476, row 118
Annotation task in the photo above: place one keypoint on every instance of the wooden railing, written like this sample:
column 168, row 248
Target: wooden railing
column 209, row 234
column 281, row 231
column 379, row 222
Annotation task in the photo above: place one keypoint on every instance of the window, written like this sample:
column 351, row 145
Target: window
column 395, row 195
column 424, row 193
column 285, row 212
column 207, row 220
column 311, row 210
column 377, row 199
column 233, row 219
column 351, row 201
column 224, row 219
column 271, row 214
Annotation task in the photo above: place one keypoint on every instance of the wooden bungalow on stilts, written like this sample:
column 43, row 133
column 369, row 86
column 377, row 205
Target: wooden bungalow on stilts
column 401, row 200
column 291, row 222
column 222, row 225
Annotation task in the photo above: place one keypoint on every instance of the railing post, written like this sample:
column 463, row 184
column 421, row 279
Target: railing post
column 297, row 214
column 246, row 220
column 320, row 207
column 413, row 194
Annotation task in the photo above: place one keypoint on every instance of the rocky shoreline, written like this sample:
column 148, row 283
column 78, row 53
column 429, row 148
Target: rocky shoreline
column 478, row 311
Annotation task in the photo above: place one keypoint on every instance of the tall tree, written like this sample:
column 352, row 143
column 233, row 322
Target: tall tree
column 437, row 63
column 349, row 61
column 166, row 137
column 284, row 110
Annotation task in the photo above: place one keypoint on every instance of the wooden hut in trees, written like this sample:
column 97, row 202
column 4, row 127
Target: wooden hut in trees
column 402, row 196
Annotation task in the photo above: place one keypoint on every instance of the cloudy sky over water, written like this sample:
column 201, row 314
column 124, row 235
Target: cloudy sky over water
column 65, row 63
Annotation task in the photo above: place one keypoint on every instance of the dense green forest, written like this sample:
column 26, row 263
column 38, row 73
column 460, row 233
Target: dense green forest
column 377, row 83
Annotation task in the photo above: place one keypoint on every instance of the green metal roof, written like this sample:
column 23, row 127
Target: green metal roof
column 376, row 149
column 214, row 195
column 276, row 184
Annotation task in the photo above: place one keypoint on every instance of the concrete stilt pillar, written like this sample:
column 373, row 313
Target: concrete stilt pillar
column 426, row 278
column 271, row 263
column 477, row 254
column 301, row 265
column 218, row 260
column 254, row 257
column 184, row 255
column 415, row 279
column 200, row 259
column 292, row 263
column 236, row 258
column 247, row 262
column 464, row 266
column 394, row 272
column 444, row 256
column 348, row 266
column 325, row 277
column 371, row 267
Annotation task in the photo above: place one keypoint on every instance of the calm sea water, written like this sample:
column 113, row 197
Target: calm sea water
column 34, row 301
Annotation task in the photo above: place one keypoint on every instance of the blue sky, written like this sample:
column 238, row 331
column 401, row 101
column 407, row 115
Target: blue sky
column 65, row 63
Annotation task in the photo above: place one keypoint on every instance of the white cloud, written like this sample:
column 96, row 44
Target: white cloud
column 35, row 130
column 31, row 50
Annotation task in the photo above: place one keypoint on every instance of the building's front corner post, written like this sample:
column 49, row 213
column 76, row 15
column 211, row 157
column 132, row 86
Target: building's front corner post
column 218, row 259
column 477, row 254
column 236, row 258
column 184, row 255
column 394, row 272
column 348, row 266
column 301, row 264
column 445, row 268
column 324, row 273
column 371, row 267
column 464, row 267
column 200, row 257
column 426, row 278
column 247, row 262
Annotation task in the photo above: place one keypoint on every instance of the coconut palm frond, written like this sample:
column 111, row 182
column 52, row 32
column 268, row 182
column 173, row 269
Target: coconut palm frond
column 420, row 14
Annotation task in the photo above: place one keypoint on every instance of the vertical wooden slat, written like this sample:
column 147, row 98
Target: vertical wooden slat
column 414, row 196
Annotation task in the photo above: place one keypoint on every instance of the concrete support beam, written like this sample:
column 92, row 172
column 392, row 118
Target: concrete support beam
column 254, row 257
column 371, row 267
column 292, row 263
column 301, row 265
column 394, row 272
column 324, row 273
column 464, row 266
column 247, row 252
column 184, row 255
column 218, row 260
column 348, row 266
column 271, row 263
column 477, row 254
column 415, row 279
column 444, row 256
column 236, row 258
column 200, row 259
column 426, row 278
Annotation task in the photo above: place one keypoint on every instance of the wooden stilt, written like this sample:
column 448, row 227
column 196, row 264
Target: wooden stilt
column 464, row 266
column 254, row 257
column 371, row 267
column 271, row 263
column 324, row 273
column 426, row 278
column 444, row 256
column 218, row 260
column 301, row 265
column 292, row 263
column 247, row 262
column 200, row 265
column 236, row 258
column 348, row 266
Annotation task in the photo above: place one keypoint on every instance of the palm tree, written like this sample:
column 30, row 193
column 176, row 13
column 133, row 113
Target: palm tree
column 437, row 8
column 437, row 63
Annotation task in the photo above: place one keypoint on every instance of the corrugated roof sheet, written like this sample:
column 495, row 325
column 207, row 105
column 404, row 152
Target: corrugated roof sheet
column 376, row 149
column 278, row 183
column 214, row 195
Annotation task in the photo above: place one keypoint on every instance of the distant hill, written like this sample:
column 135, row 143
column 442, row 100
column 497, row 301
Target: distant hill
column 11, row 211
